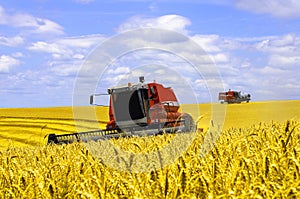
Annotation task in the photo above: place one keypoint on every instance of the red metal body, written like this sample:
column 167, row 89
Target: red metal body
column 161, row 107
column 227, row 96
column 233, row 97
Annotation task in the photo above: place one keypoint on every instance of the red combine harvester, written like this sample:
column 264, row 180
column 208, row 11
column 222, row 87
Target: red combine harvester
column 231, row 97
column 139, row 109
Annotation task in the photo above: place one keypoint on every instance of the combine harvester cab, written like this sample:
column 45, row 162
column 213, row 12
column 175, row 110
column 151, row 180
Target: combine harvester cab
column 231, row 97
column 139, row 109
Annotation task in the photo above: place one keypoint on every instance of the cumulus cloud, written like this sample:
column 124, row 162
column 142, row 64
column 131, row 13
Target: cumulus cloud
column 268, row 70
column 220, row 58
column 288, row 44
column 119, row 70
column 277, row 8
column 67, row 48
column 17, row 55
column 46, row 47
column 64, row 69
column 11, row 41
column 282, row 51
column 31, row 23
column 64, row 56
column 6, row 62
column 217, row 47
column 208, row 42
column 86, row 41
column 284, row 61
column 171, row 22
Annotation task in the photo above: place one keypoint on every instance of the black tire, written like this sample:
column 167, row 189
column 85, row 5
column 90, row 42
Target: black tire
column 189, row 123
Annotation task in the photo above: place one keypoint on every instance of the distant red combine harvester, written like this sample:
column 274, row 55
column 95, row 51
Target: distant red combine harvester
column 232, row 97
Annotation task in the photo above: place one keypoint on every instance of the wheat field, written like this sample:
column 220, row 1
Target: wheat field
column 29, row 126
column 256, row 156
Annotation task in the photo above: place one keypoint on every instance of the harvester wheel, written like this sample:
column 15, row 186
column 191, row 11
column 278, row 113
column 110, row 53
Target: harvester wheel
column 189, row 123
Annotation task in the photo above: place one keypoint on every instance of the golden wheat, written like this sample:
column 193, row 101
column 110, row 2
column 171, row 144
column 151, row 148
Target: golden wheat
column 256, row 156
column 29, row 126
column 261, row 161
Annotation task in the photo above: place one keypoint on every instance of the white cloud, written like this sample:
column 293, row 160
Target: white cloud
column 67, row 48
column 6, row 62
column 86, row 41
column 288, row 44
column 78, row 56
column 202, row 84
column 220, row 58
column 63, row 68
column 268, row 70
column 115, row 79
column 64, row 56
column 45, row 26
column 208, row 42
column 216, row 46
column 284, row 61
column 46, row 47
column 119, row 70
column 288, row 39
column 170, row 22
column 33, row 24
column 36, row 88
column 11, row 41
column 278, row 8
column 17, row 55
column 282, row 51
column 57, row 51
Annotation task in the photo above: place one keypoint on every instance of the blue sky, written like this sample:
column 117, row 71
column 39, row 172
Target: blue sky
column 255, row 46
